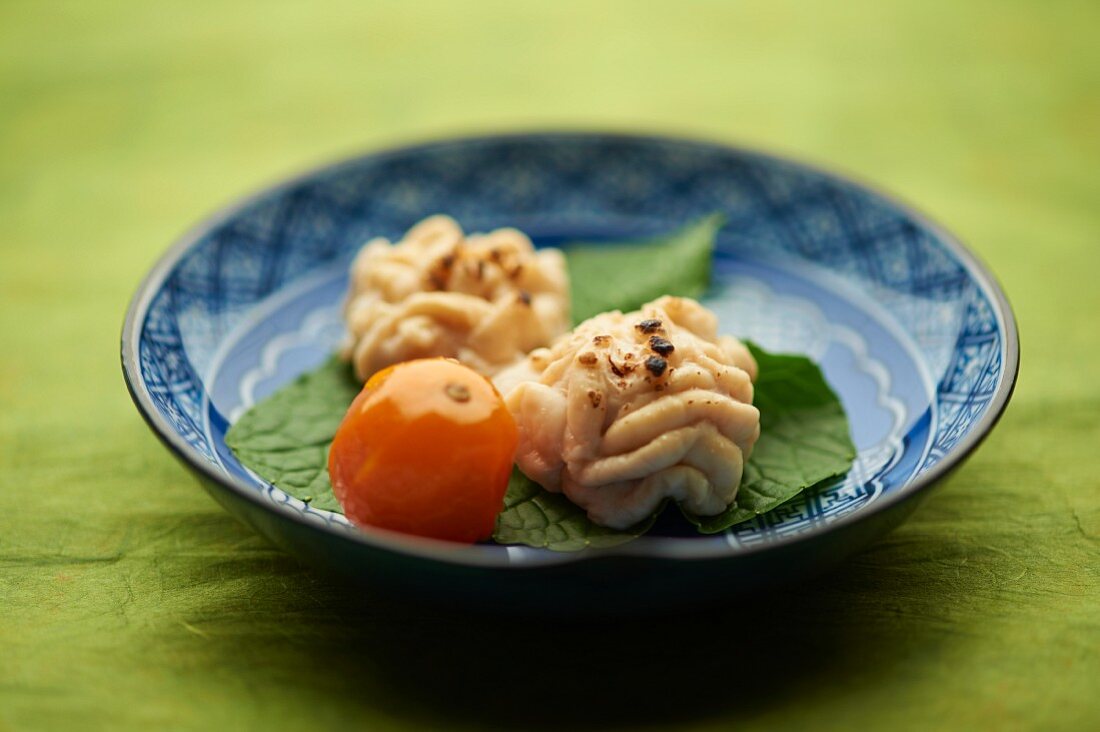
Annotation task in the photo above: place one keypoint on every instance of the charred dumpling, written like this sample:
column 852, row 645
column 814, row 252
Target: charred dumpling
column 630, row 409
column 486, row 299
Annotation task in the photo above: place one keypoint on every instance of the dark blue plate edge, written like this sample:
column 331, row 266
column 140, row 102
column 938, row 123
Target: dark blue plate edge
column 665, row 548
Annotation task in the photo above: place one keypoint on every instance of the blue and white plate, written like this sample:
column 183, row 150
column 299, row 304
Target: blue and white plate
column 910, row 329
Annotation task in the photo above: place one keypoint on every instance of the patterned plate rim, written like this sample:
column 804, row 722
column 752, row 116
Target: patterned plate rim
column 482, row 556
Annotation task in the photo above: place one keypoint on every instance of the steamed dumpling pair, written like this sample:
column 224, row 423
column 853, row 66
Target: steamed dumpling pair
column 623, row 412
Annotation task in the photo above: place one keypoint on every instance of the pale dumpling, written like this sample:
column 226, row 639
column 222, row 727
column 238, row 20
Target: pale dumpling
column 486, row 300
column 631, row 409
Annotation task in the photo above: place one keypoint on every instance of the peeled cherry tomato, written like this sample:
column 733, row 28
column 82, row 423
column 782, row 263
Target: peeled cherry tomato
column 426, row 448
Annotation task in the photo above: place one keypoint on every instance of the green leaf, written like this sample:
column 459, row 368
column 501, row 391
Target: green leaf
column 285, row 438
column 624, row 276
column 804, row 439
column 536, row 517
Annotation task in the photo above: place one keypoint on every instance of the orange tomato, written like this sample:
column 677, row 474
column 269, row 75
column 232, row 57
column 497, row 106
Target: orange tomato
column 426, row 448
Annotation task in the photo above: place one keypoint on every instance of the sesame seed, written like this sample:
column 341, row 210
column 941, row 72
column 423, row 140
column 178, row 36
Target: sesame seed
column 458, row 392
column 661, row 346
column 656, row 365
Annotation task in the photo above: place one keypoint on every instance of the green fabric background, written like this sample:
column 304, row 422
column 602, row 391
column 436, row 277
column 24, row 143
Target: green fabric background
column 129, row 600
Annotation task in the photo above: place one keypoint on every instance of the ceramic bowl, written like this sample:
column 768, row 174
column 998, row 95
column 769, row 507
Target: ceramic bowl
column 911, row 330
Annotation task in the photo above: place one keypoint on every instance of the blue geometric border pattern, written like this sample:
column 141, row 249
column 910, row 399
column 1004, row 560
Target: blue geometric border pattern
column 558, row 184
column 168, row 374
column 971, row 379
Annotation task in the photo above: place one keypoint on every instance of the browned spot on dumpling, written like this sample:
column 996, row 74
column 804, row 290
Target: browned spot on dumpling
column 437, row 280
column 595, row 398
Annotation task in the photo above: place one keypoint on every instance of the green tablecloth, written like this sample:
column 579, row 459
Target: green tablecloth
column 130, row 600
